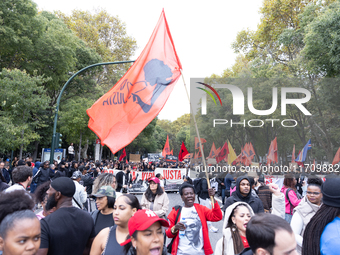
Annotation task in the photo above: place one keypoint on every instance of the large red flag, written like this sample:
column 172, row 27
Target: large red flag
column 137, row 98
column 123, row 155
column 336, row 157
column 223, row 153
column 166, row 149
column 182, row 152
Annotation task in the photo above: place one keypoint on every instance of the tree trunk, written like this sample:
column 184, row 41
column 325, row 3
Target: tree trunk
column 35, row 154
column 79, row 149
column 22, row 145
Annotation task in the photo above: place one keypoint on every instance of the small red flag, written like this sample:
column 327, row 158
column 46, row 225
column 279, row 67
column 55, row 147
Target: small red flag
column 223, row 153
column 212, row 153
column 166, row 149
column 293, row 155
column 172, row 152
column 272, row 152
column 123, row 155
column 336, row 157
column 197, row 144
column 127, row 108
column 183, row 152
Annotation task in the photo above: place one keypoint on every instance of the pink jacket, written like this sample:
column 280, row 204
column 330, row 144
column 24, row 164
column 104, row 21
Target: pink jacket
column 293, row 199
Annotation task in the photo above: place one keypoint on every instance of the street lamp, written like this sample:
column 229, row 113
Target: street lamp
column 61, row 92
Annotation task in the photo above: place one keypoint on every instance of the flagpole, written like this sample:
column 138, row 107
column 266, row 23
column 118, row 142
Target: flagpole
column 199, row 140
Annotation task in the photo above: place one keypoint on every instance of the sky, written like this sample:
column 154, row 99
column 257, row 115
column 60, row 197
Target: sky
column 202, row 31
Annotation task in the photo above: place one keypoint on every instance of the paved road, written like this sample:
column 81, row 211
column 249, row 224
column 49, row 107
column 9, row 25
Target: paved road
column 175, row 199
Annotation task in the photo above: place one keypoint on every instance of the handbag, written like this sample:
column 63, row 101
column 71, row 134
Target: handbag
column 169, row 247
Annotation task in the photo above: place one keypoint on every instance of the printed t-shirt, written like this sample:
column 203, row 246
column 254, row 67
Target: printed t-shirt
column 192, row 241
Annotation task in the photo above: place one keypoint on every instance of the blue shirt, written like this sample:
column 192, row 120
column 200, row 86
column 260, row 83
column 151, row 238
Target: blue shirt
column 329, row 241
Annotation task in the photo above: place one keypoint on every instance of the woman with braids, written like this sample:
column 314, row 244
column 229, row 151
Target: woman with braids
column 41, row 197
column 109, row 240
column 19, row 227
column 155, row 198
column 292, row 198
column 307, row 208
column 106, row 179
column 235, row 223
column 321, row 235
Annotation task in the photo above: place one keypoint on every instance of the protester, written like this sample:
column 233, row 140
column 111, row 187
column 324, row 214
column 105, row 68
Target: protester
column 19, row 227
column 292, row 197
column 307, row 208
column 4, row 172
column 73, row 168
column 109, row 240
column 105, row 200
column 243, row 194
column 124, row 180
column 34, row 185
column 80, row 196
column 41, row 197
column 264, row 195
column 68, row 230
column 61, row 172
column 22, row 177
column 145, row 231
column 322, row 233
column 269, row 234
column 155, row 198
column 160, row 177
column 234, row 238
column 70, row 151
column 196, row 237
column 3, row 184
column 204, row 199
column 44, row 174
column 88, row 181
column 105, row 179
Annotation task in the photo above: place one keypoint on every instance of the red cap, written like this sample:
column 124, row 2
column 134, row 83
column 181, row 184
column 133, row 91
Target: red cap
column 143, row 219
column 155, row 179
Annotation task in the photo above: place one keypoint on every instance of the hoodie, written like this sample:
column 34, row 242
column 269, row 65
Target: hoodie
column 227, row 238
column 254, row 202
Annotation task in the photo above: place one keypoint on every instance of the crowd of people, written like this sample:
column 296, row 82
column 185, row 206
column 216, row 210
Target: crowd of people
column 47, row 209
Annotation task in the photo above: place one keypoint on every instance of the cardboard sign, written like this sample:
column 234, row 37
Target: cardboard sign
column 134, row 158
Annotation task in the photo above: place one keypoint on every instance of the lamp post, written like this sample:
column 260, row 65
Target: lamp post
column 61, row 92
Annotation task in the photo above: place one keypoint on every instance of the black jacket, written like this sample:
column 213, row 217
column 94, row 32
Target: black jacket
column 43, row 175
column 88, row 182
column 119, row 179
column 254, row 202
column 204, row 189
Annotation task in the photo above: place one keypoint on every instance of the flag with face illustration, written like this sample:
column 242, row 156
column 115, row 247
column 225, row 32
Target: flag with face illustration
column 137, row 98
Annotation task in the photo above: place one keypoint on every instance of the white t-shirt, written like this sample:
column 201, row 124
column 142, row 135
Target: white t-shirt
column 192, row 242
column 161, row 183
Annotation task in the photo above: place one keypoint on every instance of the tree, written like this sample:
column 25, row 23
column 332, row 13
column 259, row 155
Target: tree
column 23, row 101
column 107, row 35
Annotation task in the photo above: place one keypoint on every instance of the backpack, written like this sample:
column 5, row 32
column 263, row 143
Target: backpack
column 197, row 186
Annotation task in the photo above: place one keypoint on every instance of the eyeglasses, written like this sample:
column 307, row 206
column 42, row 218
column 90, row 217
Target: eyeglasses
column 313, row 193
column 114, row 182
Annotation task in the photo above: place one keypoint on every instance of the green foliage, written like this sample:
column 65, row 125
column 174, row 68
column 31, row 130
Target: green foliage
column 22, row 103
column 294, row 39
column 107, row 35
